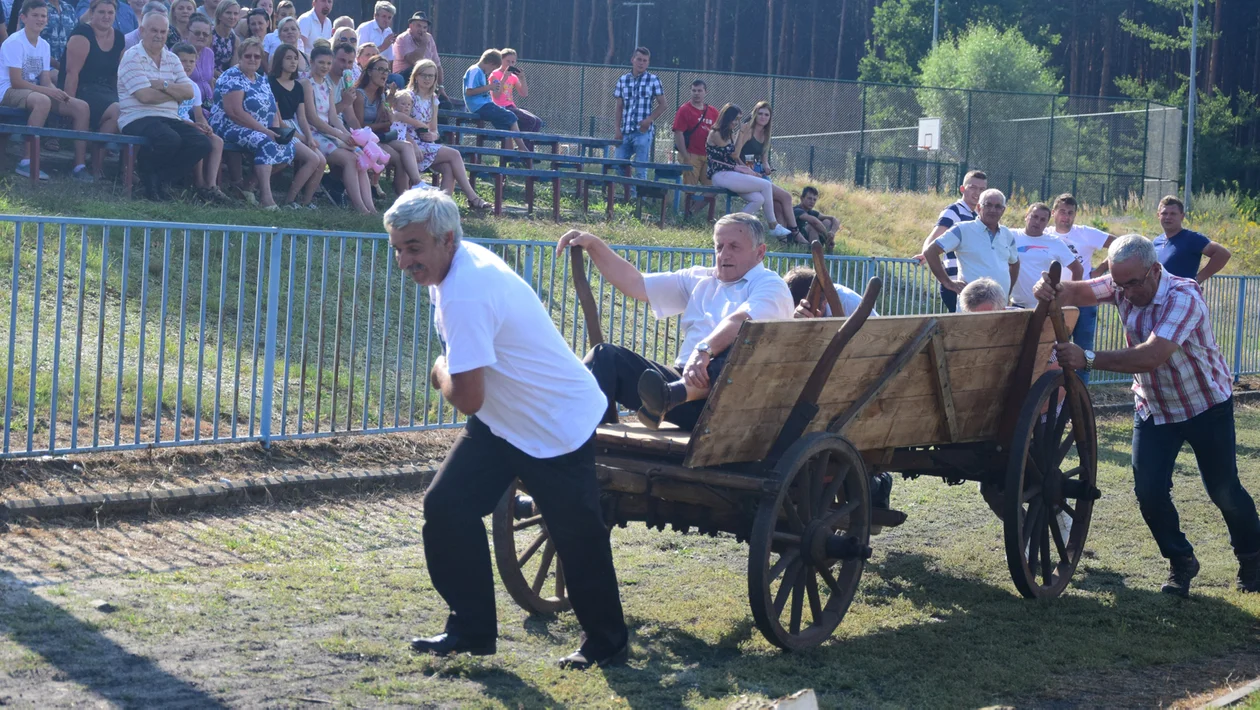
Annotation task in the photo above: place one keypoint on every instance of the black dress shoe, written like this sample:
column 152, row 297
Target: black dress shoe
column 448, row 644
column 579, row 661
column 1180, row 571
column 657, row 397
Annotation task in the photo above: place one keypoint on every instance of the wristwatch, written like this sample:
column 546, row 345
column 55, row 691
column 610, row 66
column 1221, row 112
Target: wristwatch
column 703, row 347
column 1089, row 360
column 165, row 85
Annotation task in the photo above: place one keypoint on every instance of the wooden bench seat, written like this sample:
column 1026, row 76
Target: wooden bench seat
column 630, row 435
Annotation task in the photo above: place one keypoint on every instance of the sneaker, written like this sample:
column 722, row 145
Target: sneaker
column 780, row 231
column 82, row 174
column 24, row 169
column 1180, row 571
column 1249, row 572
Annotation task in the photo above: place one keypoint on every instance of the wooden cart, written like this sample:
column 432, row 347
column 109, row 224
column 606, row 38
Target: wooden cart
column 801, row 417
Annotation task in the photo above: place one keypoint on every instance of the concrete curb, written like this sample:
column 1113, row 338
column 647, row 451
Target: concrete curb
column 1233, row 697
column 1248, row 396
column 249, row 490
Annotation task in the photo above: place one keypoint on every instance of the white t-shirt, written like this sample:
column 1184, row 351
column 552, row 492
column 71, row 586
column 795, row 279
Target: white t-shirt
column 1084, row 241
column 1035, row 256
column 538, row 395
column 704, row 301
column 18, row 53
column 271, row 41
column 981, row 252
column 311, row 29
column 849, row 298
column 370, row 31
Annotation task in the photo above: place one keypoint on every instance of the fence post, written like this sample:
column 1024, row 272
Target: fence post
column 811, row 162
column 593, row 126
column 1049, row 154
column 862, row 128
column 1240, row 317
column 269, row 356
column 582, row 99
column 1146, row 134
column 966, row 155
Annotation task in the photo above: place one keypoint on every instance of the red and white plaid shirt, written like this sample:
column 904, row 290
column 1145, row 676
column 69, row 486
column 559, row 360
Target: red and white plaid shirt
column 1196, row 377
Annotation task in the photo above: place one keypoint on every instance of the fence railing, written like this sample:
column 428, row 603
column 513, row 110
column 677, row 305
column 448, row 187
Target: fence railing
column 124, row 335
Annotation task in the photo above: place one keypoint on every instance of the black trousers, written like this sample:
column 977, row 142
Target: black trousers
column 174, row 146
column 617, row 370
column 472, row 479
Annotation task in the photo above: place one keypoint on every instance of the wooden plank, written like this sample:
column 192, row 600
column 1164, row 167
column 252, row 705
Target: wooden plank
column 926, row 332
column 940, row 365
column 632, row 434
column 884, row 336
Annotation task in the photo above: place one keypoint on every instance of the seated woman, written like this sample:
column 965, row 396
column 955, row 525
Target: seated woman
column 244, row 113
column 330, row 133
column 90, row 72
column 201, row 29
column 421, row 118
column 181, row 12
column 289, row 33
column 371, row 109
column 290, row 95
column 256, row 23
column 224, row 41
column 345, row 34
column 753, row 147
column 729, row 174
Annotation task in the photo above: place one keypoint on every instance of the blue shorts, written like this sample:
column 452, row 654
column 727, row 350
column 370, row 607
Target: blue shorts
column 498, row 116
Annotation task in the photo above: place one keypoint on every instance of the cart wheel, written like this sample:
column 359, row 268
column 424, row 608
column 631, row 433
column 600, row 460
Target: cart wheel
column 817, row 526
column 526, row 558
column 1046, row 525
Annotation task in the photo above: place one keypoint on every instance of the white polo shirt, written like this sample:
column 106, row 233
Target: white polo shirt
column 538, row 395
column 370, row 31
column 311, row 29
column 981, row 252
column 849, row 299
column 704, row 301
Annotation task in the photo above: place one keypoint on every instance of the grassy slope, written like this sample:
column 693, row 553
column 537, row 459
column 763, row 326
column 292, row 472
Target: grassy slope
column 268, row 606
column 875, row 223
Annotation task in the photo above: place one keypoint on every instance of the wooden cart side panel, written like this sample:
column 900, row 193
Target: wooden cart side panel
column 772, row 360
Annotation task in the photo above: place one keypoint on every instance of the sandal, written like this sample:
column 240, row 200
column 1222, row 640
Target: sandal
column 479, row 205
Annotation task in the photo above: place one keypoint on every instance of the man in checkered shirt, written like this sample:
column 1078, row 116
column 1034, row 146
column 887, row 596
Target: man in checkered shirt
column 638, row 104
column 1183, row 394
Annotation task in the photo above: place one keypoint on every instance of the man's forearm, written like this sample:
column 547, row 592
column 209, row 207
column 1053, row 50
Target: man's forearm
column 1077, row 293
column 623, row 275
column 1215, row 264
column 1143, row 358
column 937, row 268
column 723, row 336
column 679, row 144
column 1014, row 268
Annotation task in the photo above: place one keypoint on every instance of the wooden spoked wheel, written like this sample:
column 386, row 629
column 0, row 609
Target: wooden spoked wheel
column 525, row 555
column 1053, row 467
column 810, row 541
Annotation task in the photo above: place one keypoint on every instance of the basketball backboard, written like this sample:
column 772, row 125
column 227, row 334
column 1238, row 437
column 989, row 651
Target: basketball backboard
column 929, row 134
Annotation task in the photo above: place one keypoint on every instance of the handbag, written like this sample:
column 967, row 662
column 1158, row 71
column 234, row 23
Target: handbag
column 699, row 122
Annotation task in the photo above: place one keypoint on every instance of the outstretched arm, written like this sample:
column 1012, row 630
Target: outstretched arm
column 620, row 273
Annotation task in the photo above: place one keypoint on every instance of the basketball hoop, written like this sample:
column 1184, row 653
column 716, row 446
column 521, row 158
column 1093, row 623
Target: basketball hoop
column 929, row 134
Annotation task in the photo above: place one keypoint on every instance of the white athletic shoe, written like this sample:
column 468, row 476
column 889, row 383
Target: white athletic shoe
column 780, row 231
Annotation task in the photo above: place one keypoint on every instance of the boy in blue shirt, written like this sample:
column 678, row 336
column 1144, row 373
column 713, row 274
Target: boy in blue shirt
column 479, row 101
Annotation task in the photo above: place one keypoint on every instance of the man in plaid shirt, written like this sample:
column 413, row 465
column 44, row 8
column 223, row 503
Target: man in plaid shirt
column 1183, row 394
column 638, row 104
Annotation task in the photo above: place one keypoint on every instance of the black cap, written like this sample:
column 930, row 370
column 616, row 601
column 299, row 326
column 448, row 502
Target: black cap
column 419, row 17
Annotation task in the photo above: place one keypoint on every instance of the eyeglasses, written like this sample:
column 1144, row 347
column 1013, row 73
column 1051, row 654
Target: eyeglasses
column 202, row 35
column 996, row 206
column 1130, row 285
column 380, row 70
column 428, row 75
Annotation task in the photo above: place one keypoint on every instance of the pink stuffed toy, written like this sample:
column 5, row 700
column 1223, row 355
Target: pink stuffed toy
column 371, row 157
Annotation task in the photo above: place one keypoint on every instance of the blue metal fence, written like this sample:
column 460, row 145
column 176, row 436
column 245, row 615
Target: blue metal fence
column 125, row 335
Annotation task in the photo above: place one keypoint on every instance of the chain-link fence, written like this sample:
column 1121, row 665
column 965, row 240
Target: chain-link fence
column 1036, row 145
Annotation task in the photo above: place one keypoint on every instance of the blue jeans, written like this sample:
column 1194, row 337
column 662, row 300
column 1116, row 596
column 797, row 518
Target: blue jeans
column 1083, row 333
column 638, row 145
column 498, row 116
column 1211, row 436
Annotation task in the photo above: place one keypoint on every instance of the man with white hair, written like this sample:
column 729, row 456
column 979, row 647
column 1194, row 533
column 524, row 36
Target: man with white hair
column 1183, row 393
column 532, row 412
column 714, row 302
column 379, row 30
column 151, row 86
column 984, row 247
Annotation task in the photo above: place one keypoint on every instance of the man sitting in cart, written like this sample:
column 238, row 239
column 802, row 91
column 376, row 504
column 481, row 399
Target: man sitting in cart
column 714, row 301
